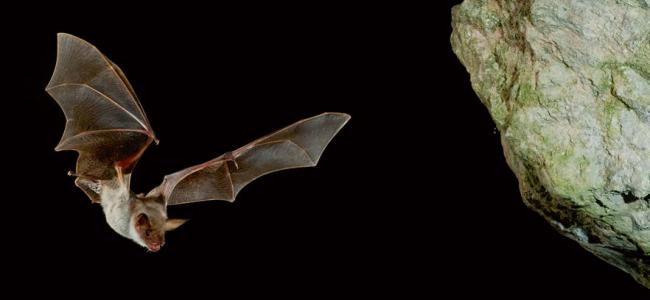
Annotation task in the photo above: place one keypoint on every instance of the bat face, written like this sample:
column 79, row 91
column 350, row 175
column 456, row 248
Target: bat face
column 150, row 223
column 151, row 235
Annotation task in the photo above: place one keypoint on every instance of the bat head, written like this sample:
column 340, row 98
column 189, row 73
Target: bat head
column 150, row 223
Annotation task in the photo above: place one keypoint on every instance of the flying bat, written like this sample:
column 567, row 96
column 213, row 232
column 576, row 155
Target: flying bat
column 107, row 126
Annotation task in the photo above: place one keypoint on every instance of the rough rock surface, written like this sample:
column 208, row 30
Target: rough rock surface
column 568, row 86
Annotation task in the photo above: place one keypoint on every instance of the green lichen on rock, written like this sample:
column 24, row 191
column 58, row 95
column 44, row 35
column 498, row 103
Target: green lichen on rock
column 568, row 85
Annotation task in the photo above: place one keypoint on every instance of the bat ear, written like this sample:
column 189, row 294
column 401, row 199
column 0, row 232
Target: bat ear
column 142, row 221
column 172, row 224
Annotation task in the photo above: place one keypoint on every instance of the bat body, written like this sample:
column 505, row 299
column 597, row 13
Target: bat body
column 107, row 126
column 125, row 213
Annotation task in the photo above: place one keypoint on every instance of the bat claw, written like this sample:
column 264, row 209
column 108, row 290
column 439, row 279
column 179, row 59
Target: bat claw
column 70, row 173
column 229, row 157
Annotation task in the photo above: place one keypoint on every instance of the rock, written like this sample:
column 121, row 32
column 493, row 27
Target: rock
column 568, row 85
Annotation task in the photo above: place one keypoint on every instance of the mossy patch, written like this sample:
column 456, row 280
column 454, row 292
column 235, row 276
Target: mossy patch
column 641, row 59
column 527, row 95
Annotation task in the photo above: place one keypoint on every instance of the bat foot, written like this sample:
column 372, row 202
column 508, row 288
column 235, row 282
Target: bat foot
column 82, row 176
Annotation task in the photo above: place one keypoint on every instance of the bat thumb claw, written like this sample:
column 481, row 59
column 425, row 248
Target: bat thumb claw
column 70, row 173
column 230, row 159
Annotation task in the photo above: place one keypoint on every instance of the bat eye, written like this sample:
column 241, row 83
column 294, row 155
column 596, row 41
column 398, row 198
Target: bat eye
column 147, row 233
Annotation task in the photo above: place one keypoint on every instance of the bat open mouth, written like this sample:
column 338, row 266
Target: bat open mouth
column 154, row 247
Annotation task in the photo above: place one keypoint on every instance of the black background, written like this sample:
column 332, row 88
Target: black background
column 413, row 197
column 212, row 79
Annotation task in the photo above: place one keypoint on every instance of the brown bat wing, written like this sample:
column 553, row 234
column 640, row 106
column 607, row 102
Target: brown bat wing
column 298, row 145
column 105, row 122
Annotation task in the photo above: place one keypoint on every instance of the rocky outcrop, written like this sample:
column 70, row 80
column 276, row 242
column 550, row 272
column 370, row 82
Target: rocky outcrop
column 568, row 85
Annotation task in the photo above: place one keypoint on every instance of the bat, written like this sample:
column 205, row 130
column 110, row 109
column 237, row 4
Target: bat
column 107, row 126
